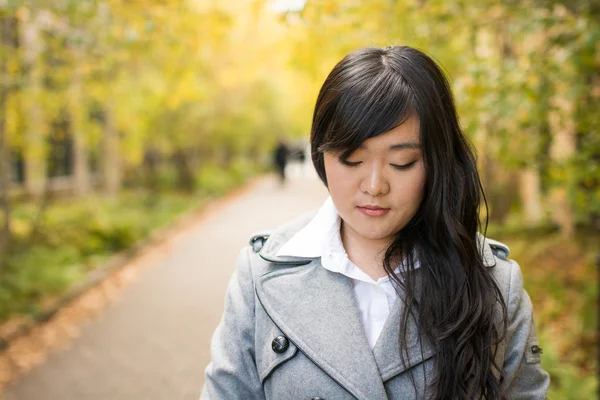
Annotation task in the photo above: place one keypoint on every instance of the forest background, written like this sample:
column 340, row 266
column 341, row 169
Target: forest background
column 116, row 116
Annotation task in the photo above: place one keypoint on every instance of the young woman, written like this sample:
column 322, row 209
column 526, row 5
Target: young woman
column 388, row 291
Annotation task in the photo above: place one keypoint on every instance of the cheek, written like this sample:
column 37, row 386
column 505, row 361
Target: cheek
column 329, row 169
column 340, row 182
column 411, row 190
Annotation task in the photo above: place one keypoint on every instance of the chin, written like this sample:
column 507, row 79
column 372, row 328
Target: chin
column 374, row 235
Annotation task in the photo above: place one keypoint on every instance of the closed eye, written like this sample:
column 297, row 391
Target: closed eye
column 350, row 163
column 404, row 166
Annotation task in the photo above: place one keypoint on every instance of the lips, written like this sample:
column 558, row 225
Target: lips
column 373, row 211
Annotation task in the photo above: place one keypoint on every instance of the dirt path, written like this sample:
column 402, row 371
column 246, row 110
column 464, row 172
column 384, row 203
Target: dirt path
column 153, row 341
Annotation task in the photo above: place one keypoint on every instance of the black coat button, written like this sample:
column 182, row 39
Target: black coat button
column 280, row 344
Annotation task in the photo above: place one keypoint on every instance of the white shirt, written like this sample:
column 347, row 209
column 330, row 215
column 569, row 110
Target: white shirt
column 321, row 238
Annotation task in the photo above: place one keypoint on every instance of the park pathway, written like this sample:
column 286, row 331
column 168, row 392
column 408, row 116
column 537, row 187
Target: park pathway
column 153, row 342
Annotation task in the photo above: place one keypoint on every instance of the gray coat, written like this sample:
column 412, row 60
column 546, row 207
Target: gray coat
column 323, row 351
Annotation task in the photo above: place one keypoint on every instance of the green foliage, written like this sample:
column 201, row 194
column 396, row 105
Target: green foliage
column 567, row 381
column 31, row 276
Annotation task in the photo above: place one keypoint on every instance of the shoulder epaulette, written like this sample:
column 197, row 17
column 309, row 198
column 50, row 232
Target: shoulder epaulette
column 499, row 249
column 258, row 241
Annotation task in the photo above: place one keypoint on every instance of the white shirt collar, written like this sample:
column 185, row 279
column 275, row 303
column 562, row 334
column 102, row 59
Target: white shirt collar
column 321, row 238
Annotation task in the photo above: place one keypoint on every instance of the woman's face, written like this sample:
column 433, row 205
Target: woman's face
column 379, row 188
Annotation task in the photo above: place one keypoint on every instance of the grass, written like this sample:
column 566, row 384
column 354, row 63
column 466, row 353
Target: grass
column 76, row 237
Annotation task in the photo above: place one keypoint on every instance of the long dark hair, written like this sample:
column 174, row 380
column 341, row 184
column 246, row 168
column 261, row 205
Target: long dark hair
column 453, row 296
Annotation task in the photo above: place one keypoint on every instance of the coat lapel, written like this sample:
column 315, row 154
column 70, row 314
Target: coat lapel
column 316, row 310
column 387, row 347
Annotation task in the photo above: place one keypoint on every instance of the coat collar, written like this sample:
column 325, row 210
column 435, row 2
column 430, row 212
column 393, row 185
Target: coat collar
column 277, row 238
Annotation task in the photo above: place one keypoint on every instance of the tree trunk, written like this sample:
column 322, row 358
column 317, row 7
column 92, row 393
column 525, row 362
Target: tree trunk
column 150, row 175
column 111, row 161
column 34, row 149
column 529, row 189
column 34, row 154
column 6, row 235
column 561, row 150
column 185, row 174
column 81, row 173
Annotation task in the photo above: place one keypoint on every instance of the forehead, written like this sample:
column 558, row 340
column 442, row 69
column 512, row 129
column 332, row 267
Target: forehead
column 404, row 136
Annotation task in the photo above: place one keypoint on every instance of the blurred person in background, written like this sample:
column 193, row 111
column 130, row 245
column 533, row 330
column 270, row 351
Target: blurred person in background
column 389, row 290
column 280, row 158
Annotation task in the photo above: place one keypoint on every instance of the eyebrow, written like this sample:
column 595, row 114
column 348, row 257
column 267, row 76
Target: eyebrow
column 400, row 146
column 406, row 145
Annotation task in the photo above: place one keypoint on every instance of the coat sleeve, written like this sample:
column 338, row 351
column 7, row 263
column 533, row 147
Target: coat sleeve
column 524, row 379
column 232, row 373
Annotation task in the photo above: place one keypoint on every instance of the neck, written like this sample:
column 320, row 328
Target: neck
column 366, row 254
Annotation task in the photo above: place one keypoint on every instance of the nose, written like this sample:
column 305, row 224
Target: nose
column 375, row 182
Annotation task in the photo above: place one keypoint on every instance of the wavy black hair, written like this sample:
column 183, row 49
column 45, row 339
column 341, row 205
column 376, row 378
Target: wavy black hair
column 453, row 296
